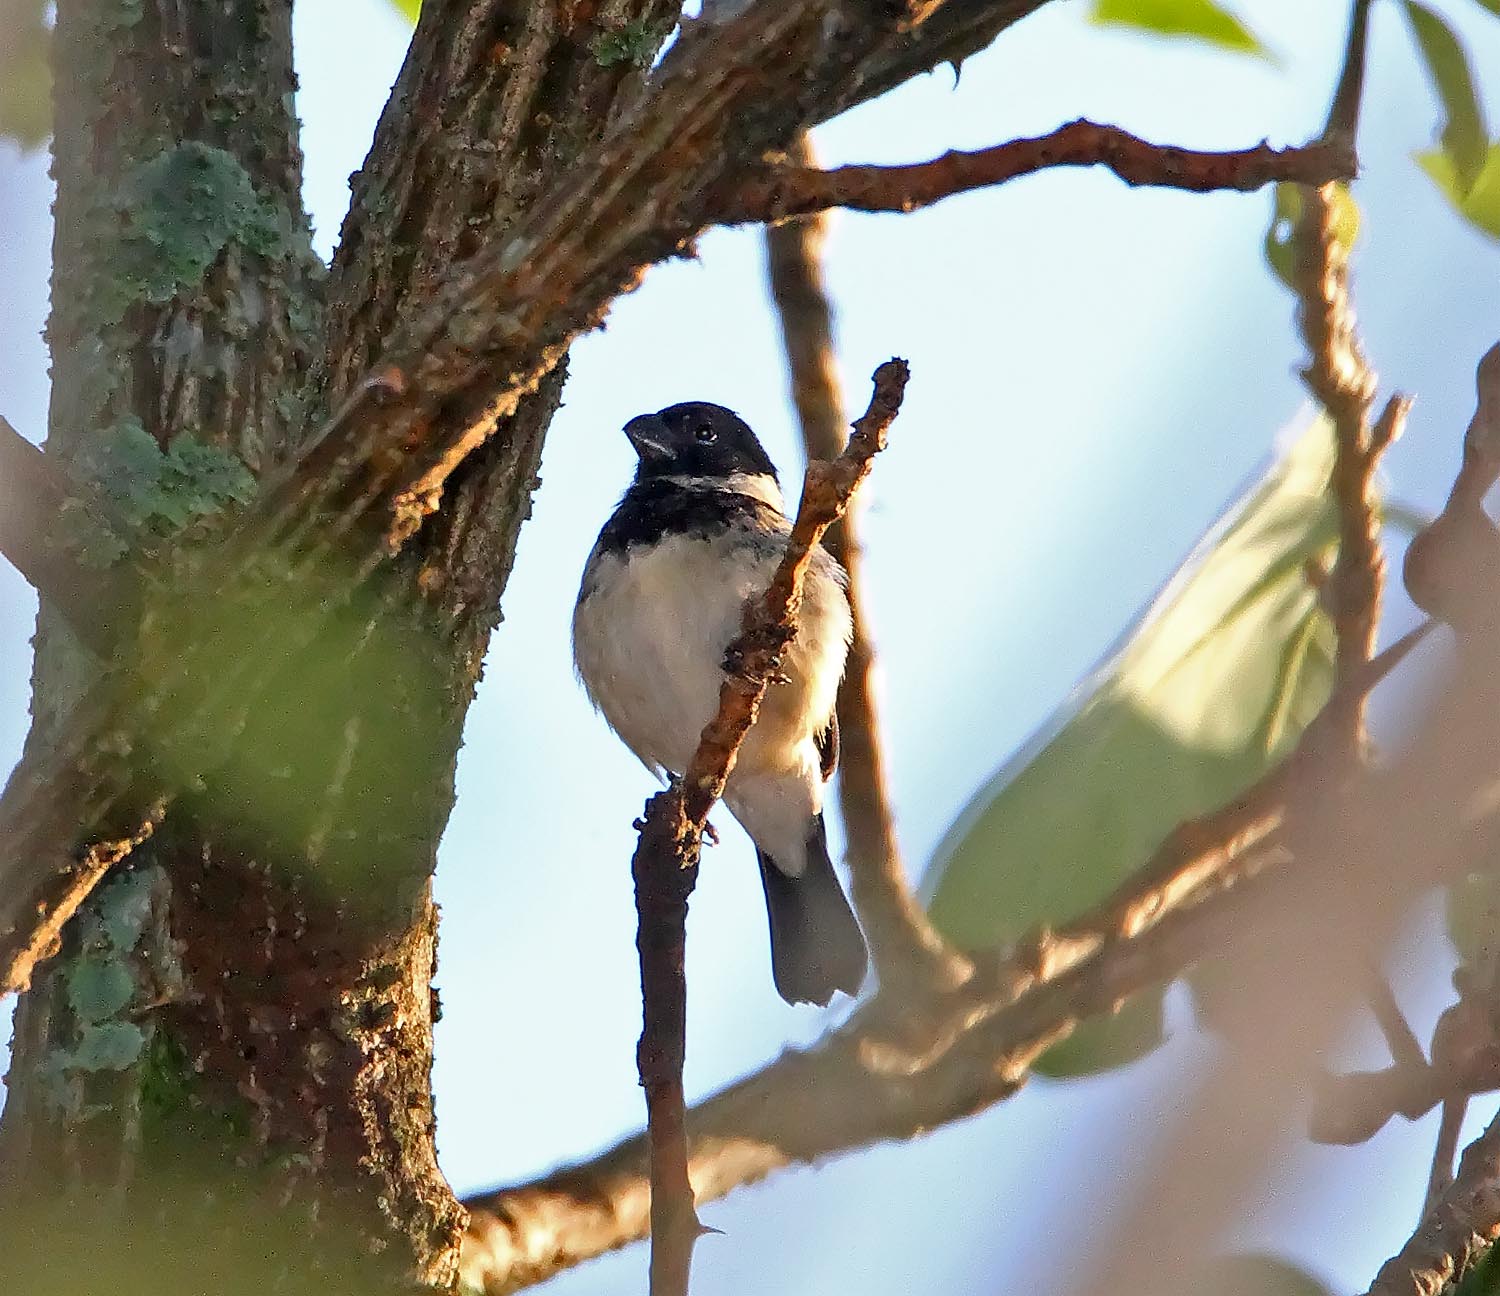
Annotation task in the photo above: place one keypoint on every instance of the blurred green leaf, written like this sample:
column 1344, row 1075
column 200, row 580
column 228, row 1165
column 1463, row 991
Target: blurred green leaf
column 1263, row 1275
column 1210, row 688
column 1195, row 19
column 1473, row 914
column 25, row 73
column 410, row 8
column 1287, row 211
column 1100, row 1043
column 1479, row 202
column 1481, row 1280
column 1492, row 5
column 1464, row 137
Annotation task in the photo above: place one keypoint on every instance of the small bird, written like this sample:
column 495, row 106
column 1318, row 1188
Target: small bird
column 701, row 529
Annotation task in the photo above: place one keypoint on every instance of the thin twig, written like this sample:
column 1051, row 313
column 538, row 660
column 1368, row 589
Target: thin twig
column 796, row 189
column 1440, row 1178
column 1406, row 1048
column 903, row 944
column 1343, row 112
column 666, row 856
column 972, row 1047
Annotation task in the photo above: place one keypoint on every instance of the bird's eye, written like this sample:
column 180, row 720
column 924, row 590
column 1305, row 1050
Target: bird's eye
column 704, row 434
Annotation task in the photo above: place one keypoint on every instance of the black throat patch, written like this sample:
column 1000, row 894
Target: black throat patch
column 655, row 508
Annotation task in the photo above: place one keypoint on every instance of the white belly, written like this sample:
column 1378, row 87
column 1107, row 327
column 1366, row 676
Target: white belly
column 649, row 641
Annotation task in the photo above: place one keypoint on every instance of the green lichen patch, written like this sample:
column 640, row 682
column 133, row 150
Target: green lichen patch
column 151, row 490
column 180, row 210
column 634, row 43
column 98, row 987
column 105, row 1046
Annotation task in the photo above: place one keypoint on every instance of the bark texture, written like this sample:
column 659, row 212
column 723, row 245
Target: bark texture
column 223, row 1032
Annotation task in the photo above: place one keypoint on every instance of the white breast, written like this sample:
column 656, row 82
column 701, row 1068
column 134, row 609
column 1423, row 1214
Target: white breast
column 649, row 639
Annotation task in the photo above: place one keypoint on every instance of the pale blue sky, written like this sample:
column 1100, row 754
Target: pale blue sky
column 1096, row 372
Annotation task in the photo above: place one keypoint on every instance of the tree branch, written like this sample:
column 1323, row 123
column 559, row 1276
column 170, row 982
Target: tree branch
column 1340, row 378
column 665, row 865
column 32, row 495
column 1458, row 1230
column 903, row 944
column 881, row 1075
column 898, row 1068
column 793, row 189
column 363, row 484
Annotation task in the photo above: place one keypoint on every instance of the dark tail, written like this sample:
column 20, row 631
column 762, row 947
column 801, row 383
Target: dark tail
column 816, row 944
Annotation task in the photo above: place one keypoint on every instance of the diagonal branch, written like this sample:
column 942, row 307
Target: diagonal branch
column 665, row 866
column 32, row 500
column 795, row 189
column 903, row 944
column 364, row 482
column 884, row 1076
column 1460, row 1228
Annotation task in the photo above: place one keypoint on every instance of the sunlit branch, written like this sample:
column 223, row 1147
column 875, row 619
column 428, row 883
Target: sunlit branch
column 790, row 189
column 896, row 1067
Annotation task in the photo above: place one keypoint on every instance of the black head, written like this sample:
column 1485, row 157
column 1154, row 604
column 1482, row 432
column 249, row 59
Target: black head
column 696, row 439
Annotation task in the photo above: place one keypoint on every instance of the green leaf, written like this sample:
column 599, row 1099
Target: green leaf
column 1492, row 5
column 409, row 8
column 1200, row 20
column 25, row 73
column 1212, row 686
column 1287, row 211
column 98, row 988
column 1100, row 1043
column 1477, row 202
column 1464, row 137
column 1473, row 916
column 1262, row 1275
column 1483, row 1279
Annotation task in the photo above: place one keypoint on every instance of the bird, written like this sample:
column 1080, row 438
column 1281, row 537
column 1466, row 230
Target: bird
column 701, row 528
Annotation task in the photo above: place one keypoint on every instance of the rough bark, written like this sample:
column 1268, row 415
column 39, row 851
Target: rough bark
column 278, row 1014
column 215, row 1007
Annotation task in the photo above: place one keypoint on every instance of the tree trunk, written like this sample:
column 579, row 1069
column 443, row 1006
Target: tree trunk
column 225, row 1072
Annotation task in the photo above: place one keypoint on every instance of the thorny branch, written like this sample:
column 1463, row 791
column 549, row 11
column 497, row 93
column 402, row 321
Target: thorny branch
column 903, row 943
column 666, row 856
column 796, row 188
